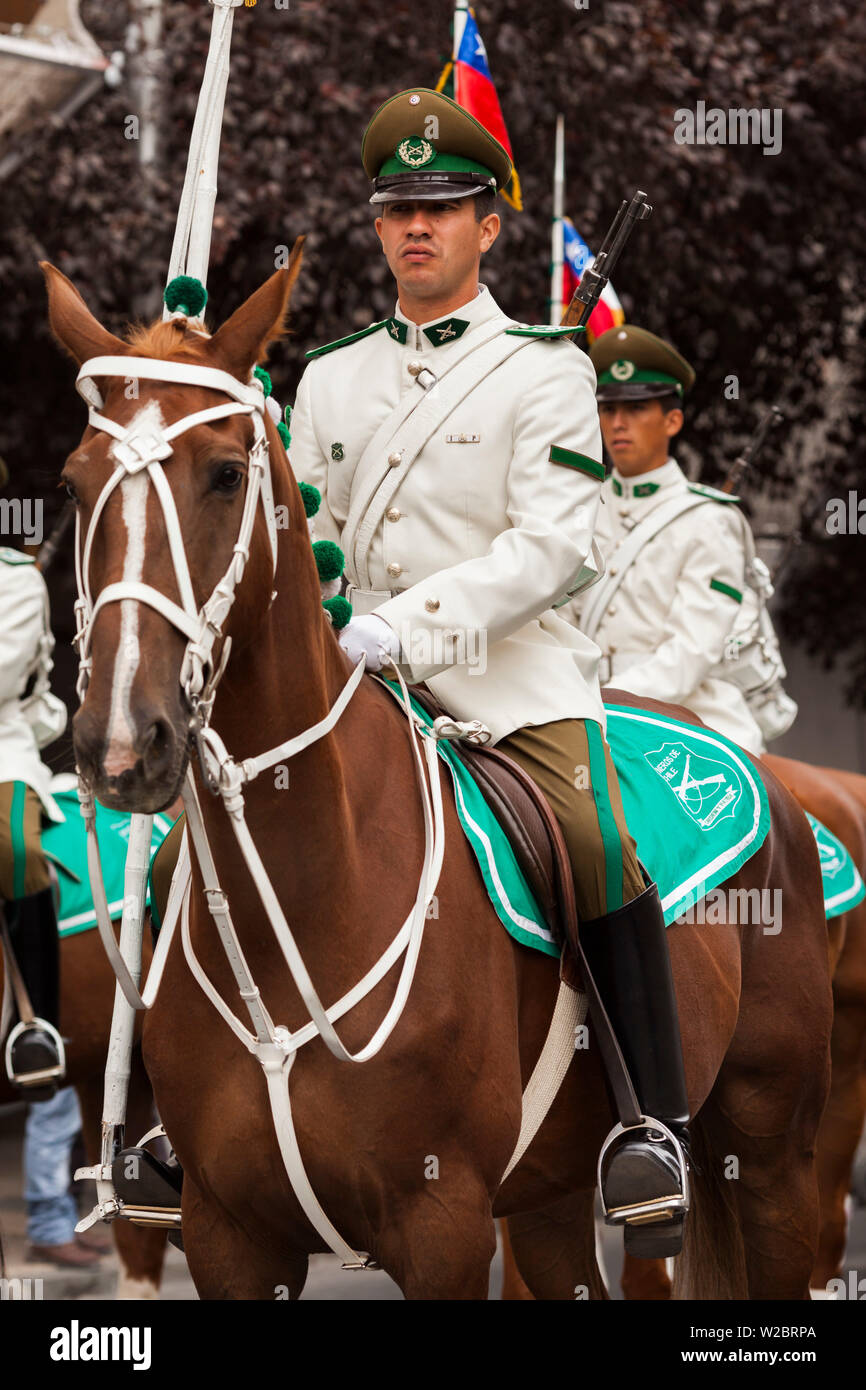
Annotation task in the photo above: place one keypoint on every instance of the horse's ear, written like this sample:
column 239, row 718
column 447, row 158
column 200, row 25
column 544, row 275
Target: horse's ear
column 243, row 338
column 71, row 321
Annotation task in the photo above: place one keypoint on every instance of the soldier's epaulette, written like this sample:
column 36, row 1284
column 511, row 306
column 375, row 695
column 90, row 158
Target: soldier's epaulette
column 541, row 330
column 15, row 557
column 342, row 342
column 704, row 491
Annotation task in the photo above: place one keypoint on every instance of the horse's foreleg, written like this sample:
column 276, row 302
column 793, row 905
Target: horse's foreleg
column 554, row 1250
column 225, row 1263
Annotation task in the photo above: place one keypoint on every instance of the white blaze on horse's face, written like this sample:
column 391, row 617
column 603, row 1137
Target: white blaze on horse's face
column 120, row 751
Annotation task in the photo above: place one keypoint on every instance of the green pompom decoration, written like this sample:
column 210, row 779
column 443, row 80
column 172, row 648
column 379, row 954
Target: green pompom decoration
column 311, row 497
column 329, row 559
column 284, row 436
column 340, row 610
column 185, row 294
column 265, row 378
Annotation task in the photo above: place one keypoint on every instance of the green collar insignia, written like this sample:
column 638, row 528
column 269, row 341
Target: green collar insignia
column 637, row 490
column 448, row 331
column 397, row 330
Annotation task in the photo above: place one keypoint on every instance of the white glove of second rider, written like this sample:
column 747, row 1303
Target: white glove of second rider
column 373, row 639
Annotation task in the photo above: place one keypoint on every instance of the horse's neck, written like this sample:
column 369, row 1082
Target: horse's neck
column 282, row 681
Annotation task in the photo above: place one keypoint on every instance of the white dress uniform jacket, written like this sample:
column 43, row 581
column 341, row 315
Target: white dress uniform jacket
column 23, row 625
column 464, row 551
column 666, row 625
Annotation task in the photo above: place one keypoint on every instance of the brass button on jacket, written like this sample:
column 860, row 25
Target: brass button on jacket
column 394, row 569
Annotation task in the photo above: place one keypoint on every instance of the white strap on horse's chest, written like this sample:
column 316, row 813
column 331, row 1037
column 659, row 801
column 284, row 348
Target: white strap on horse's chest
column 408, row 428
column 603, row 592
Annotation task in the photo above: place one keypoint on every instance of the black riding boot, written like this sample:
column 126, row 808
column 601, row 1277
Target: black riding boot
column 627, row 953
column 34, row 1052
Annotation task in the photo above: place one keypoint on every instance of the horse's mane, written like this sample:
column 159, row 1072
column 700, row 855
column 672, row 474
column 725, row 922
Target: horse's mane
column 168, row 339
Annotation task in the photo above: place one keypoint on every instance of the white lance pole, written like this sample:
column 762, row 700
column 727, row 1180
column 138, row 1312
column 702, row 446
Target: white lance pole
column 190, row 252
column 189, row 256
column 557, row 253
column 461, row 10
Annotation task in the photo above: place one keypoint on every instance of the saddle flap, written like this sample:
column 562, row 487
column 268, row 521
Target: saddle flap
column 524, row 814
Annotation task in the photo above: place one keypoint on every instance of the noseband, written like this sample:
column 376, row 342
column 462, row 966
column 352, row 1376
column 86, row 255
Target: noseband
column 145, row 447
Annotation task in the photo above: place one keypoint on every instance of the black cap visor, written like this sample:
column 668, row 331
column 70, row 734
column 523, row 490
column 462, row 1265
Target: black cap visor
column 394, row 188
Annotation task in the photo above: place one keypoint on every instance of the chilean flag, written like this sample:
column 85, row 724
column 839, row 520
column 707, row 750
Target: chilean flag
column 608, row 312
column 467, row 81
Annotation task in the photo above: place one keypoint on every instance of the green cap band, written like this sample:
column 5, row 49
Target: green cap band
column 617, row 376
column 439, row 164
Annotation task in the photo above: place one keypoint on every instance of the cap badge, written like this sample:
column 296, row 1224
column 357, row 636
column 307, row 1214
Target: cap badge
column 336, row 452
column 414, row 152
column 622, row 370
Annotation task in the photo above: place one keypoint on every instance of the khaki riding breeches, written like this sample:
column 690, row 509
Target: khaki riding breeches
column 23, row 867
column 571, row 762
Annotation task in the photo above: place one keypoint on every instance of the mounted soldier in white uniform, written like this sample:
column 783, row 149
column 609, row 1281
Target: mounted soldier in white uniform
column 680, row 614
column 459, row 460
column 30, row 717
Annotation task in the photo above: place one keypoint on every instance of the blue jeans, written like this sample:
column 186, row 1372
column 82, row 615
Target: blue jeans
column 50, row 1133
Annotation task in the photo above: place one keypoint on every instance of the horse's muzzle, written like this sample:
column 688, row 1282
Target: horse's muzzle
column 143, row 775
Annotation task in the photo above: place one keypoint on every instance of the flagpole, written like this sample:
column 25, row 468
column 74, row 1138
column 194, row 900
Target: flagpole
column 557, row 254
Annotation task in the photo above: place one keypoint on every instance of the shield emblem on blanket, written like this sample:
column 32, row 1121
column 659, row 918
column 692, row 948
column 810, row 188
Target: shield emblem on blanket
column 706, row 789
column 829, row 853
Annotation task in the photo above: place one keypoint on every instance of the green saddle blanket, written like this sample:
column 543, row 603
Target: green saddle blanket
column 696, row 806
column 843, row 886
column 66, row 846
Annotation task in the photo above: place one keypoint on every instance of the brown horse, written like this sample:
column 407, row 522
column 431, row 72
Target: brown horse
column 342, row 841
column 86, row 1001
column 838, row 799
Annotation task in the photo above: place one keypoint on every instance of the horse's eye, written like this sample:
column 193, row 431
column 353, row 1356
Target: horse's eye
column 70, row 492
column 228, row 479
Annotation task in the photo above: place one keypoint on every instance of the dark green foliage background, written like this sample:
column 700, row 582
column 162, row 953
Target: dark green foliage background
column 753, row 265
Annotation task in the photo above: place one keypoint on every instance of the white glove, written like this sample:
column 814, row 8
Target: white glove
column 373, row 639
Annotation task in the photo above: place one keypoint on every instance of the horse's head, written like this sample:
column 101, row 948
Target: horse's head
column 160, row 514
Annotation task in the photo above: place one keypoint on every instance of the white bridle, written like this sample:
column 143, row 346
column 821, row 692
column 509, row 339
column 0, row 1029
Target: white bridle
column 146, row 446
column 143, row 447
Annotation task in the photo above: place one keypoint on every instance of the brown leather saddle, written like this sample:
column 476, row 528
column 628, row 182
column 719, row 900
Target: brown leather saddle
column 524, row 814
